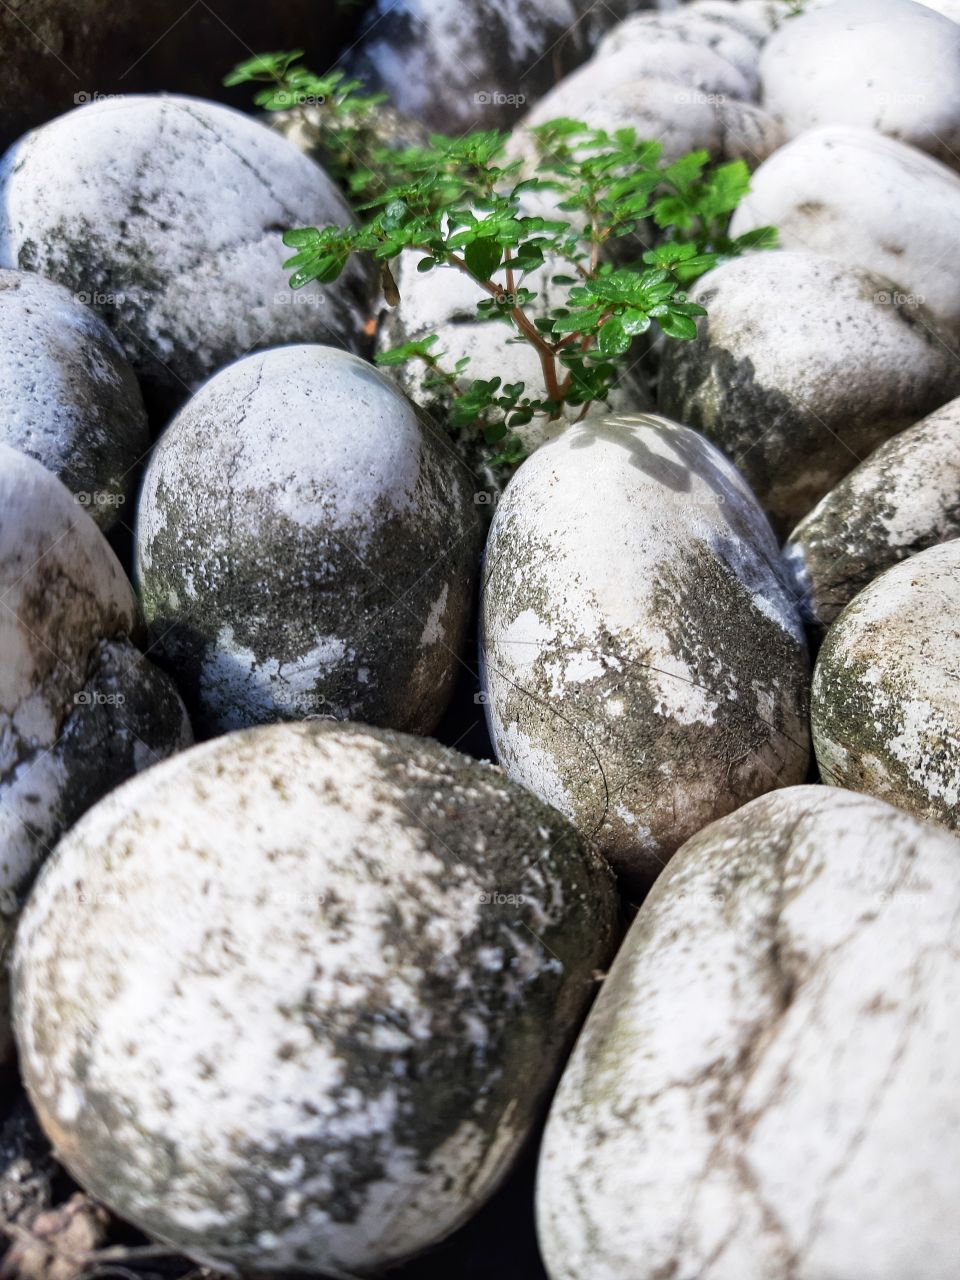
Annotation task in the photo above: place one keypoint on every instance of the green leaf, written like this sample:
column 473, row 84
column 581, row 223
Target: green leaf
column 482, row 258
column 676, row 325
column 612, row 339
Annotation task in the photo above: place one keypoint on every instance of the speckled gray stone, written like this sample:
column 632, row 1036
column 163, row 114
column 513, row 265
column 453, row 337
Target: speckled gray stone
column 168, row 213
column 763, row 1089
column 466, row 64
column 685, row 26
column 81, row 709
column 314, row 1035
column 868, row 201
column 886, row 689
column 889, row 65
column 644, row 664
column 904, row 498
column 801, row 368
column 679, row 118
column 70, row 399
column 305, row 546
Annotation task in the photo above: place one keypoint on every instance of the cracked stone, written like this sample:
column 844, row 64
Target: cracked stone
column 644, row 662
column 315, row 1035
column 762, row 1090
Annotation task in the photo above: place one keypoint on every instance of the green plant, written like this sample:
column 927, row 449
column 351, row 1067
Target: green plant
column 462, row 205
column 334, row 109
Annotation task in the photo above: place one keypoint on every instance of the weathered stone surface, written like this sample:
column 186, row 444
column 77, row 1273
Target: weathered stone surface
column 761, row 1090
column 801, row 368
column 885, row 709
column 889, row 65
column 867, row 201
column 644, row 663
column 81, row 709
column 684, row 26
column 464, row 64
column 57, row 53
column 315, row 1034
column 70, row 399
column 168, row 212
column 306, row 545
column 680, row 118
column 904, row 498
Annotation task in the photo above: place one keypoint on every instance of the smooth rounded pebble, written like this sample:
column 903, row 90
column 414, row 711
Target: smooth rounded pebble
column 886, row 689
column 762, row 1090
column 801, row 368
column 687, row 27
column 644, row 664
column 305, row 546
column 679, row 118
column 70, row 399
column 81, row 709
column 904, row 498
column 292, row 1001
column 459, row 65
column 867, row 201
column 889, row 65
column 168, row 213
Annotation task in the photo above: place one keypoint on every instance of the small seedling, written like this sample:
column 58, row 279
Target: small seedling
column 461, row 204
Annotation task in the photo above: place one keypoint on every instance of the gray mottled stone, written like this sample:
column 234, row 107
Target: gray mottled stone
column 81, row 709
column 686, row 26
column 465, row 64
column 680, row 118
column 761, row 1090
column 644, row 664
column 168, row 212
column 868, row 201
column 801, row 368
column 889, row 65
column 314, row 1034
column 70, row 399
column 305, row 545
column 904, row 498
column 886, row 689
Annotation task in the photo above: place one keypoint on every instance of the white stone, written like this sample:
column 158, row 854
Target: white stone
column 644, row 664
column 168, row 213
column 80, row 710
column 868, row 201
column 889, row 65
column 70, row 399
column 899, row 501
column 761, row 1090
column 647, row 30
column 802, row 367
column 315, row 1033
column 298, row 524
column 886, row 711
